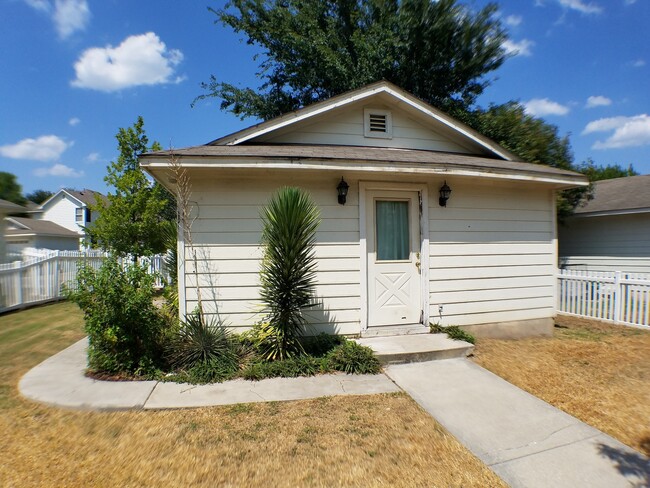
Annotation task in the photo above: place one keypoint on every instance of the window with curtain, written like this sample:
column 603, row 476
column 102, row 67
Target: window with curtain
column 392, row 230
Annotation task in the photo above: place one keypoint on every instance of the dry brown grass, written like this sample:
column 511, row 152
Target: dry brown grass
column 380, row 440
column 597, row 372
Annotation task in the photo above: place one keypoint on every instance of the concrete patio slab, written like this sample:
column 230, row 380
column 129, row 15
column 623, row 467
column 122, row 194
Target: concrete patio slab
column 416, row 347
column 523, row 439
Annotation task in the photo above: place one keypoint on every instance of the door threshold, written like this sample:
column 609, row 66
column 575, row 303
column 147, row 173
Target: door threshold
column 395, row 330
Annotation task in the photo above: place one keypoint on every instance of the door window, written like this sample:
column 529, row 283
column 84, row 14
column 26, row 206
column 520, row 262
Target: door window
column 392, row 230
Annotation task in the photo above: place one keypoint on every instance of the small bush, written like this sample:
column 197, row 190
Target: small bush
column 125, row 329
column 201, row 342
column 214, row 371
column 453, row 331
column 320, row 345
column 287, row 368
column 353, row 358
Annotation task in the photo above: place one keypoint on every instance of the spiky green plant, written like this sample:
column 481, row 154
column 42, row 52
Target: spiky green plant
column 200, row 340
column 288, row 270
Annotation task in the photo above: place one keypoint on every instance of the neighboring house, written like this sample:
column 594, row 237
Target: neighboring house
column 6, row 208
column 612, row 231
column 392, row 258
column 21, row 233
column 70, row 209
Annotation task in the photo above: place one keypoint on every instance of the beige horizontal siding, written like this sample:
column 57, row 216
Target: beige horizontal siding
column 226, row 234
column 347, row 129
column 492, row 255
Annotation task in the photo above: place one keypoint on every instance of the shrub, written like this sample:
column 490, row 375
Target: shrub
column 124, row 328
column 321, row 344
column 286, row 368
column 288, row 270
column 201, row 342
column 216, row 370
column 453, row 331
column 353, row 358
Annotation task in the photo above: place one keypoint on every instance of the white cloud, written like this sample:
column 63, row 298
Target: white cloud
column 69, row 16
column 543, row 106
column 597, row 101
column 521, row 48
column 58, row 170
column 514, row 20
column 629, row 2
column 92, row 157
column 639, row 63
column 138, row 60
column 627, row 131
column 43, row 148
column 40, row 5
column 582, row 7
column 74, row 121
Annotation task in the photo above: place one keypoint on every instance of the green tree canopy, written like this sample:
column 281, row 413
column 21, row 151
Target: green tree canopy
column 10, row 189
column 133, row 220
column 314, row 49
column 597, row 172
column 39, row 196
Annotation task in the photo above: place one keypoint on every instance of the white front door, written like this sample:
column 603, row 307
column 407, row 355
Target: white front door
column 393, row 248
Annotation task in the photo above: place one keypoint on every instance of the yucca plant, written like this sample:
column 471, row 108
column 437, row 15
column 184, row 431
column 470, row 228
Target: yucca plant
column 199, row 341
column 288, row 271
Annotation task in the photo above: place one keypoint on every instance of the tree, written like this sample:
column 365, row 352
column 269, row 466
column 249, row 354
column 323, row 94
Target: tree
column 133, row 220
column 10, row 190
column 39, row 196
column 598, row 172
column 315, row 49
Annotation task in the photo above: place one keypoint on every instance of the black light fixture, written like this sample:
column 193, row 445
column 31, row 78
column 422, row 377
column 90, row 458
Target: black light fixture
column 445, row 193
column 342, row 188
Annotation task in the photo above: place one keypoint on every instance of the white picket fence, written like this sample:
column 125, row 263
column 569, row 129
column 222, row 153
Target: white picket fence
column 614, row 296
column 41, row 279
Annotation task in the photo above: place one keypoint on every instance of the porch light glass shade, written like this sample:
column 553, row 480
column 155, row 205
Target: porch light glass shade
column 342, row 190
column 445, row 193
column 392, row 230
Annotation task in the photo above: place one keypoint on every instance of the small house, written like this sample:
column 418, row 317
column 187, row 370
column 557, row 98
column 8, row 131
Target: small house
column 612, row 231
column 423, row 219
column 70, row 209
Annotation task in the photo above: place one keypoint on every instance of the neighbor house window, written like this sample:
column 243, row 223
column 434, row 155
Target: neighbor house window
column 79, row 214
column 377, row 123
column 88, row 214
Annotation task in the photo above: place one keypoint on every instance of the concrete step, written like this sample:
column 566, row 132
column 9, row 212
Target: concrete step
column 395, row 330
column 416, row 347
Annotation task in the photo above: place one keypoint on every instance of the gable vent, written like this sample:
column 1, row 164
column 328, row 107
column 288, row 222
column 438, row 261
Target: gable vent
column 378, row 123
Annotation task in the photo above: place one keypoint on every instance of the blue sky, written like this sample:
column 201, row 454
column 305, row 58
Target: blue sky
column 74, row 71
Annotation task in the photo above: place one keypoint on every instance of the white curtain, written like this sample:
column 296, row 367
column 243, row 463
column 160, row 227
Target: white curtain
column 392, row 230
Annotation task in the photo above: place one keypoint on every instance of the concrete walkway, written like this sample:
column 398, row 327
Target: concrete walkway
column 524, row 440
column 60, row 381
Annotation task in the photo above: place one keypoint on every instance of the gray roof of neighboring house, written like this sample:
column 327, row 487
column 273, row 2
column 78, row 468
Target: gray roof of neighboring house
column 359, row 153
column 631, row 194
column 87, row 196
column 10, row 207
column 38, row 227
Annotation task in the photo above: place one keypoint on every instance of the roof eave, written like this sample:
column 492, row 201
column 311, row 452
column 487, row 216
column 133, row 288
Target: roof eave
column 153, row 167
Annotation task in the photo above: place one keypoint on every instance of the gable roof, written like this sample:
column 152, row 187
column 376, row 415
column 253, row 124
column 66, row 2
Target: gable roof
column 84, row 197
column 390, row 92
column 630, row 194
column 10, row 207
column 30, row 227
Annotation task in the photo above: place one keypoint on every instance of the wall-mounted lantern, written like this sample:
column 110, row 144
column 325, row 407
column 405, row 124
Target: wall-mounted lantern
column 342, row 189
column 445, row 193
